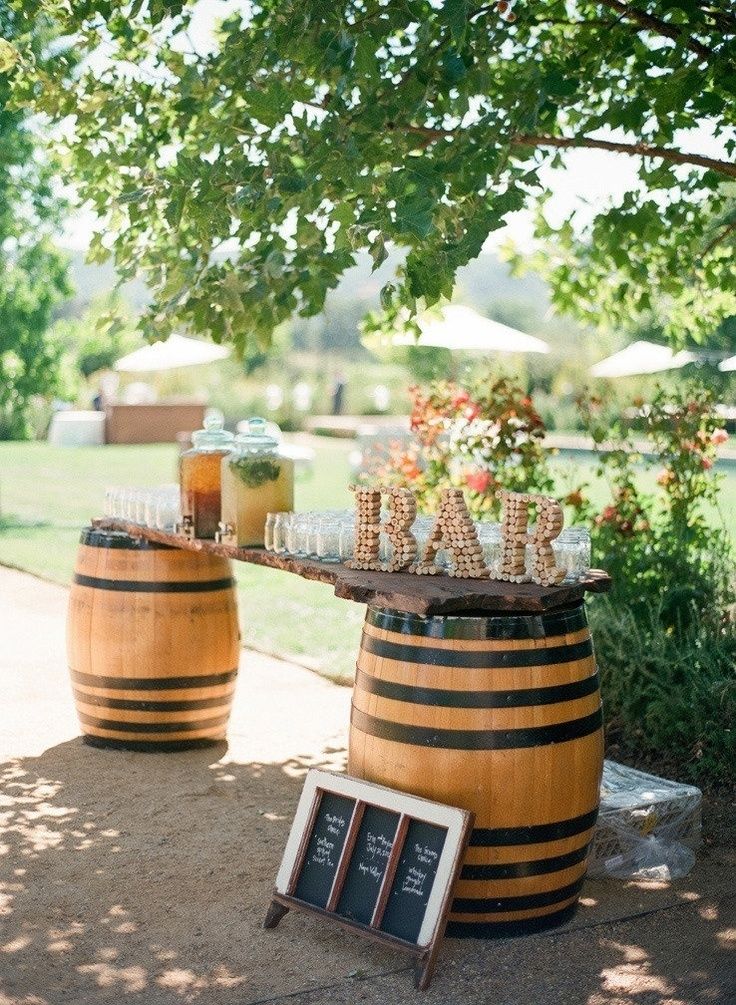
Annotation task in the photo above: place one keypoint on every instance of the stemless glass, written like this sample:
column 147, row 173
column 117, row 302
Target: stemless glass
column 280, row 528
column 268, row 531
column 291, row 534
column 112, row 501
column 347, row 540
column 300, row 529
column 168, row 508
column 572, row 552
column 328, row 539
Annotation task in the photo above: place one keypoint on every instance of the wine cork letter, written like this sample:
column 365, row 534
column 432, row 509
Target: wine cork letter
column 402, row 512
column 454, row 531
column 367, row 528
column 514, row 536
column 550, row 520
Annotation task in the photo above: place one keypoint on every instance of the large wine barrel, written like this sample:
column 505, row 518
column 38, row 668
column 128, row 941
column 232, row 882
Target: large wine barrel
column 153, row 643
column 500, row 715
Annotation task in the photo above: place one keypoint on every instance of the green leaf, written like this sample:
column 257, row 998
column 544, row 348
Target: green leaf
column 453, row 66
column 455, row 15
column 378, row 252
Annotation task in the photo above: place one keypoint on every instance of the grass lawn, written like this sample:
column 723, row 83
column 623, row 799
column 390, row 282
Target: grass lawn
column 48, row 493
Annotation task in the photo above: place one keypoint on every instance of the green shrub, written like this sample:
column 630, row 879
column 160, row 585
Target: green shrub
column 665, row 638
column 669, row 693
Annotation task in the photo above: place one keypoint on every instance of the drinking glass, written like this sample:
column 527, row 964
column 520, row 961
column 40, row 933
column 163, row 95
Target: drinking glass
column 300, row 535
column 281, row 523
column 347, row 540
column 113, row 496
column 572, row 552
column 268, row 531
column 168, row 508
column 328, row 539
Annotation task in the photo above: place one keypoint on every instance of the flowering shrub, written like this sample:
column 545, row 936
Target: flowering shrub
column 665, row 643
column 665, row 638
column 481, row 436
column 660, row 545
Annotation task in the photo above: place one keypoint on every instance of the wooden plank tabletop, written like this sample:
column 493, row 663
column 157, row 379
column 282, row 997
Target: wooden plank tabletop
column 401, row 591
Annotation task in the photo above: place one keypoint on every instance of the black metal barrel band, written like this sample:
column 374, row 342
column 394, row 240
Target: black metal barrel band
column 477, row 659
column 146, row 705
column 504, row 627
column 476, row 739
column 152, row 683
column 523, row 902
column 119, row 540
column 151, row 586
column 556, row 830
column 152, row 727
column 452, row 698
column 524, row 870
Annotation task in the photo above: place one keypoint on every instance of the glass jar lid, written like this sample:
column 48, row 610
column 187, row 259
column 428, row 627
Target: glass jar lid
column 213, row 436
column 256, row 440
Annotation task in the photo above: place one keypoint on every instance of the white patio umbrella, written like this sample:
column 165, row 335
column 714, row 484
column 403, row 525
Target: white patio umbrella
column 461, row 328
column 176, row 351
column 641, row 357
column 728, row 364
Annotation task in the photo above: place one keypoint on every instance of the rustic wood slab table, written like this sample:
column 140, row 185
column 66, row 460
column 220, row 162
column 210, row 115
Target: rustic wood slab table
column 399, row 591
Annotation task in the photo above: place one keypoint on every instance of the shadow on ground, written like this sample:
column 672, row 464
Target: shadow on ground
column 134, row 878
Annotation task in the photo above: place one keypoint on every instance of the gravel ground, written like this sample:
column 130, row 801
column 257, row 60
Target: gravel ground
column 144, row 879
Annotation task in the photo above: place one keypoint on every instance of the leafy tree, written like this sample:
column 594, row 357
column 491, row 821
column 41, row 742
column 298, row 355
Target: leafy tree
column 32, row 273
column 318, row 129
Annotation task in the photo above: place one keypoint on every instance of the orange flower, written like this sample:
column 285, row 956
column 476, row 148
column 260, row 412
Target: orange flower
column 665, row 477
column 460, row 399
column 707, row 463
column 718, row 436
column 478, row 481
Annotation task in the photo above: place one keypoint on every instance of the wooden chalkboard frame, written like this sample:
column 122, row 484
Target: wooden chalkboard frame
column 456, row 822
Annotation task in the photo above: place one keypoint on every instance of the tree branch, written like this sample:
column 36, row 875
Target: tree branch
column 726, row 168
column 659, row 26
column 632, row 149
column 722, row 235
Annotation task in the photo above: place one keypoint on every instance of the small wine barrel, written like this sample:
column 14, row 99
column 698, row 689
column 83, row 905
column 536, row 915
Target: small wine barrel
column 500, row 715
column 153, row 643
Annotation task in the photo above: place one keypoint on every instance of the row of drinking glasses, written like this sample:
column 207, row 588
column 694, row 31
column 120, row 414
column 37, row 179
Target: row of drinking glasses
column 329, row 536
column 158, row 508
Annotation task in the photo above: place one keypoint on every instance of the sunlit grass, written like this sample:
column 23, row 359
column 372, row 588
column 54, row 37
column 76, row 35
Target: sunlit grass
column 48, row 493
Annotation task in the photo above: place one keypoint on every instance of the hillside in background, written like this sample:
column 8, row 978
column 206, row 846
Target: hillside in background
column 484, row 283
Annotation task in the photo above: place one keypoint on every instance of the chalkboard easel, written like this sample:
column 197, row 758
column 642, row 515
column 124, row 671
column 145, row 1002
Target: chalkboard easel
column 374, row 860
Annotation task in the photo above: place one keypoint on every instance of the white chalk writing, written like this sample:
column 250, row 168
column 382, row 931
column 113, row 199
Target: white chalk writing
column 322, row 854
column 414, row 882
column 425, row 855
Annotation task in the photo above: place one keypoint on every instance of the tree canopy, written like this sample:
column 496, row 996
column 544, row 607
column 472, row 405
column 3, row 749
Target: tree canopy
column 240, row 182
column 32, row 273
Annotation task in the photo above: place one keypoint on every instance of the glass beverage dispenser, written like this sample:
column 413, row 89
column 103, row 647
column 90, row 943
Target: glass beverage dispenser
column 256, row 480
column 199, row 478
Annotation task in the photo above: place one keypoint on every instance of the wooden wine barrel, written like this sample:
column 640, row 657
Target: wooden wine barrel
column 153, row 643
column 500, row 715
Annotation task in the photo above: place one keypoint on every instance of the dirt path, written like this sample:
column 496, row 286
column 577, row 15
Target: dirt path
column 143, row 879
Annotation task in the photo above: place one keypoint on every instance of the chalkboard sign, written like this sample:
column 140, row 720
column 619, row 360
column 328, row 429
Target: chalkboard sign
column 368, row 862
column 415, row 876
column 375, row 860
column 324, row 849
